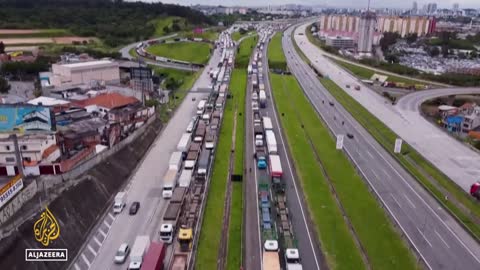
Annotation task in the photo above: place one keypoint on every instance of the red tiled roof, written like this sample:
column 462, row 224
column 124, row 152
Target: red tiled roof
column 467, row 105
column 109, row 100
column 49, row 151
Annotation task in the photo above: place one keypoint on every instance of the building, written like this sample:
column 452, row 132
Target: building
column 456, row 7
column 84, row 73
column 57, row 105
column 103, row 103
column 431, row 8
column 340, row 42
column 366, row 28
column 414, row 8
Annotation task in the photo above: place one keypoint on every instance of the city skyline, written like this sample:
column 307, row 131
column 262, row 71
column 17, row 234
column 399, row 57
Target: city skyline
column 331, row 3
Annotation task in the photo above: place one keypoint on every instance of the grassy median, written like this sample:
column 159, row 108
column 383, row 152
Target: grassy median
column 245, row 51
column 383, row 246
column 276, row 57
column 412, row 161
column 193, row 52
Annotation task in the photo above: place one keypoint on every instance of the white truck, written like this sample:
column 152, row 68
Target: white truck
column 140, row 247
column 184, row 143
column 292, row 259
column 169, row 182
column 185, row 178
column 271, row 142
column 201, row 106
column 263, row 99
column 271, row 260
column 267, row 123
column 120, row 202
column 175, row 161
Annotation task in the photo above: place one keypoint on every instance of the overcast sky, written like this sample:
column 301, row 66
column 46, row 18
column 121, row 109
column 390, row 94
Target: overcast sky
column 335, row 3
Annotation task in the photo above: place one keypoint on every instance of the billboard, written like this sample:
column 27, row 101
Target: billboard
column 9, row 190
column 26, row 118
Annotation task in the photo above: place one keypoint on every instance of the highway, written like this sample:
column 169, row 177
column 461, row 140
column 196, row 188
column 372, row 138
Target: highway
column 434, row 234
column 307, row 245
column 144, row 186
column 453, row 158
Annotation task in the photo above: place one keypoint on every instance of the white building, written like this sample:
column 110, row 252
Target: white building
column 85, row 73
column 340, row 42
column 32, row 148
column 366, row 30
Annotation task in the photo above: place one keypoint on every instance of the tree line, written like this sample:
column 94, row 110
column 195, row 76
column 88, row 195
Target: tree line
column 115, row 22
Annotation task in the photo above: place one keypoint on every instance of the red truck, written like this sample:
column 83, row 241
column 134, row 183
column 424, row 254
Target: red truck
column 153, row 260
column 475, row 190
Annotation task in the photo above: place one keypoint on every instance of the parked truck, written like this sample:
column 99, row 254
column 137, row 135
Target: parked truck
column 203, row 165
column 169, row 183
column 119, row 202
column 200, row 132
column 139, row 248
column 276, row 171
column 271, row 142
column 172, row 214
column 154, row 258
column 175, row 161
column 185, row 178
column 184, row 143
column 191, row 160
column 292, row 259
column 270, row 260
column 263, row 99
column 267, row 123
column 210, row 140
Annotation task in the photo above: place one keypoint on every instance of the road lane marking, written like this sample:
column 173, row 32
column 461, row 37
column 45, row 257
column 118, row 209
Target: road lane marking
column 111, row 216
column 106, row 224
column 441, row 238
column 92, row 250
column 423, row 235
column 85, row 260
column 104, row 234
column 395, row 199
column 375, row 174
column 408, row 199
column 370, row 154
column 76, row 266
column 97, row 241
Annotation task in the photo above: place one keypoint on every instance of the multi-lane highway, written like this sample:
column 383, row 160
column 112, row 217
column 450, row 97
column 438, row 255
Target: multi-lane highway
column 434, row 234
column 306, row 240
column 453, row 158
column 145, row 187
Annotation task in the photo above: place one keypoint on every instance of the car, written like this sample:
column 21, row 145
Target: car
column 357, row 87
column 348, row 85
column 122, row 253
column 134, row 208
column 254, row 96
column 331, row 103
column 350, row 135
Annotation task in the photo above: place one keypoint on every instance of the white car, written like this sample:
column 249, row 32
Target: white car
column 122, row 253
column 254, row 96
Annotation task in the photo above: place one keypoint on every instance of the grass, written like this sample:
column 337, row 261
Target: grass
column 413, row 162
column 161, row 23
column 193, row 52
column 44, row 33
column 238, row 90
column 383, row 246
column 245, row 51
column 237, row 35
column 276, row 57
column 234, row 255
column 211, row 35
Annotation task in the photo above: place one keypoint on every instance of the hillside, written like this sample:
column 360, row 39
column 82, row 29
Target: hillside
column 115, row 22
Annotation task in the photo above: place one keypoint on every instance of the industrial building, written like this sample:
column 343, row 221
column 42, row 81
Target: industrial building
column 340, row 42
column 85, row 73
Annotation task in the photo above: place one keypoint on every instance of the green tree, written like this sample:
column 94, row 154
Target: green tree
column 433, row 51
column 37, row 91
column 411, row 38
column 473, row 54
column 4, row 85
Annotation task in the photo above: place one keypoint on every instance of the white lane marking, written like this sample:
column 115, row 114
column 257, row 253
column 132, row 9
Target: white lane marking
column 370, row 154
column 424, row 237
column 408, row 200
column 291, row 174
column 395, row 199
column 111, row 216
column 85, row 260
column 101, row 232
column 97, row 241
column 92, row 250
column 441, row 238
column 106, row 224
column 76, row 266
column 376, row 175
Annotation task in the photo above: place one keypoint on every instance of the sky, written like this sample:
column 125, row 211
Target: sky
column 334, row 3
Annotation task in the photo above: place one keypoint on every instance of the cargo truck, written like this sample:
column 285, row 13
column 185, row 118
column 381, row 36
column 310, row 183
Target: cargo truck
column 172, row 214
column 154, row 258
column 292, row 259
column 271, row 142
column 185, row 178
column 191, row 160
column 119, row 202
column 201, row 107
column 175, row 161
column 203, row 165
column 200, row 132
column 263, row 99
column 270, row 260
column 169, row 183
column 267, row 123
column 184, row 143
column 210, row 141
column 139, row 248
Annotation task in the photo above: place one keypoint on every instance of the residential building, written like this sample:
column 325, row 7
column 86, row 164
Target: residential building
column 57, row 105
column 85, row 73
column 103, row 103
column 365, row 32
column 471, row 121
column 340, row 42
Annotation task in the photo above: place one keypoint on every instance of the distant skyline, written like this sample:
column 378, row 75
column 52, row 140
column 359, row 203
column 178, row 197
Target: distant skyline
column 329, row 3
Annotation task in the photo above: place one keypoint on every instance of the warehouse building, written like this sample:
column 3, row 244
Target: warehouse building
column 85, row 73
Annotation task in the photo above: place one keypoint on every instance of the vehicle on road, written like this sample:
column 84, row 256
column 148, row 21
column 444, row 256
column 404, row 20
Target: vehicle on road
column 169, row 183
column 175, row 161
column 276, row 171
column 154, row 258
column 292, row 259
column 267, row 123
column 271, row 142
column 255, row 106
column 201, row 107
column 475, row 190
column 192, row 124
column 357, row 87
column 263, row 99
column 203, row 165
column 122, row 253
column 119, row 202
column 348, row 85
column 139, row 248
column 331, row 103
column 254, row 96
column 191, row 160
column 210, row 141
column 185, row 178
column 184, row 143
column 270, row 260
column 172, row 214
column 261, row 157
column 350, row 135
column 134, row 208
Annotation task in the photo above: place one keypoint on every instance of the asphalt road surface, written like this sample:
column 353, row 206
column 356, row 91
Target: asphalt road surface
column 442, row 243
column 453, row 158
column 145, row 187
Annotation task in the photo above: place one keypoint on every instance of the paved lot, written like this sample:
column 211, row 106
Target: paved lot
column 442, row 243
column 453, row 158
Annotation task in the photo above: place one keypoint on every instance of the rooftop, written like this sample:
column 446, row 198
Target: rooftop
column 88, row 64
column 109, row 100
column 47, row 101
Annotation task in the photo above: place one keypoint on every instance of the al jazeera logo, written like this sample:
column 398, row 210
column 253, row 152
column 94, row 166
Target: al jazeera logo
column 46, row 229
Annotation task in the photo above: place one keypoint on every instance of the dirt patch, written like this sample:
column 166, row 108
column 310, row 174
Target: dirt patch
column 20, row 31
column 56, row 40
column 77, row 209
column 70, row 40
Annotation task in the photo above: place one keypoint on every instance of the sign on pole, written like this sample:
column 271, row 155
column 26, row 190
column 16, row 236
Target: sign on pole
column 339, row 142
column 398, row 146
